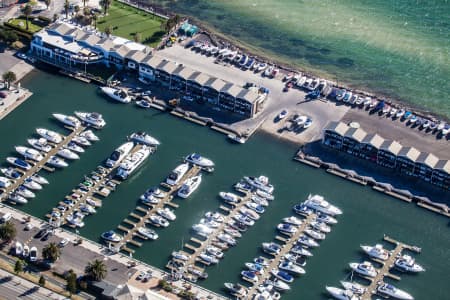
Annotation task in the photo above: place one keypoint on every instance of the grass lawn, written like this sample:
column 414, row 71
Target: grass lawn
column 22, row 23
column 126, row 21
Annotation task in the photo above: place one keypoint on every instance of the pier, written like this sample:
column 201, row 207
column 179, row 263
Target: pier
column 37, row 166
column 142, row 214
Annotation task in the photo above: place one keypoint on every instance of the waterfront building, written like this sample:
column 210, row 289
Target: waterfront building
column 387, row 153
column 73, row 48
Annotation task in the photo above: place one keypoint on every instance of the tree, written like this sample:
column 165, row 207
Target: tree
column 8, row 230
column 108, row 30
column 27, row 10
column 86, row 11
column 66, row 8
column 105, row 4
column 84, row 2
column 94, row 18
column 47, row 3
column 76, row 9
column 51, row 252
column 18, row 267
column 137, row 37
column 42, row 280
column 71, row 279
column 96, row 270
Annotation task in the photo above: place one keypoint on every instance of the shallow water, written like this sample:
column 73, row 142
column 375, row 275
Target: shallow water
column 367, row 214
column 400, row 49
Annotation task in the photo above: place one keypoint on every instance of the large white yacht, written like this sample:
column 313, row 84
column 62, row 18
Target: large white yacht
column 111, row 236
column 49, row 135
column 116, row 94
column 261, row 182
column 148, row 233
column 189, row 186
column 341, row 294
column 118, row 154
column 167, row 213
column 93, row 119
column 178, row 173
column 364, row 268
column 132, row 162
column 66, row 153
column 318, row 203
column 376, row 251
column 290, row 267
column 408, row 263
column 199, row 160
column 29, row 153
column 393, row 292
column 67, row 120
column 18, row 162
column 230, row 197
column 57, row 162
column 40, row 144
column 144, row 138
column 5, row 182
column 356, row 288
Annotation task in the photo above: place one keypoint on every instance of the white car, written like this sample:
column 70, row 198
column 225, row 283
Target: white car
column 21, row 55
column 63, row 242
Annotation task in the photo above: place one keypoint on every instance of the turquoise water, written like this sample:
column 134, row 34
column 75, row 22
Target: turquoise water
column 367, row 214
column 399, row 48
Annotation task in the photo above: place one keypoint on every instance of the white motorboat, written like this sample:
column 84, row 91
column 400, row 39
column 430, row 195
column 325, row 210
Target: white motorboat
column 148, row 233
column 259, row 201
column 299, row 250
column 341, row 294
column 33, row 254
column 11, row 173
column 75, row 220
column 89, row 135
column 200, row 161
column 24, row 192
column 31, row 184
column 236, row 290
column 111, row 236
column 208, row 258
column 167, row 213
column 132, row 161
column 233, row 232
column 249, row 213
column 325, row 219
column 29, row 153
column 74, row 147
column 271, row 248
column 49, row 135
column 16, row 198
column 408, row 263
column 153, row 192
column 230, row 197
column 18, row 162
column 57, row 162
column 149, row 199
column 18, row 249
column 356, row 288
column 321, row 226
column 304, row 240
column 315, row 234
column 93, row 119
column 365, row 268
column 255, row 207
column 254, row 267
column 292, row 268
column 209, row 223
column 39, row 179
column 265, row 195
column 143, row 138
column 318, row 203
column 282, row 275
column 202, row 230
column 180, row 256
column 189, row 186
column 66, row 153
column 244, row 219
column 279, row 285
column 118, row 154
column 376, row 251
column 286, row 228
column 249, row 275
column 178, row 173
column 215, row 216
column 227, row 239
column 143, row 103
column 82, row 141
column 40, row 144
column 262, row 261
column 297, row 259
column 261, row 182
column 5, row 182
column 392, row 291
column 87, row 209
column 26, row 251
column 116, row 94
column 159, row 221
column 67, row 120
column 214, row 251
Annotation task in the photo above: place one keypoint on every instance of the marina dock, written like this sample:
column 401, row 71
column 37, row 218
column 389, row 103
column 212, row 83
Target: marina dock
column 142, row 214
column 37, row 166
column 387, row 265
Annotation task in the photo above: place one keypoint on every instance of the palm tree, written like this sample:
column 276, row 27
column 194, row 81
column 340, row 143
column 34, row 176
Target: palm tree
column 106, row 4
column 18, row 267
column 51, row 252
column 108, row 30
column 71, row 279
column 76, row 9
column 94, row 18
column 96, row 270
column 8, row 229
column 27, row 10
column 137, row 37
column 47, row 3
column 66, row 8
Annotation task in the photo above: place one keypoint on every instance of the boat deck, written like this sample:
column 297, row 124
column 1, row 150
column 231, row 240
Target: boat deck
column 142, row 215
column 37, row 166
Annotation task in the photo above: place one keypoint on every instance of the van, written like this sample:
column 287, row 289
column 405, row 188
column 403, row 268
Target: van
column 5, row 218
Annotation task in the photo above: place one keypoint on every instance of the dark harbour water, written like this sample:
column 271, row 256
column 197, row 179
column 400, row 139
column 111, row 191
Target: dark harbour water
column 397, row 48
column 367, row 214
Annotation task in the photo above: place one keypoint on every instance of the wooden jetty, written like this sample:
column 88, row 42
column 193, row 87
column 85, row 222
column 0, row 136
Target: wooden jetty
column 37, row 166
column 386, row 266
column 142, row 215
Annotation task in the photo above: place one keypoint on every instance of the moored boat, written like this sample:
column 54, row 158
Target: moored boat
column 120, row 153
column 66, row 153
column 318, row 203
column 189, row 186
column 148, row 233
column 376, row 251
column 116, row 94
column 132, row 161
column 282, row 275
column 56, row 162
column 49, row 135
column 67, row 120
column 178, row 173
column 199, row 160
column 40, row 144
column 11, row 173
column 92, row 119
column 82, row 141
column 392, row 291
column 29, row 153
column 365, row 268
column 89, row 135
column 111, row 236
column 16, row 198
column 408, row 263
column 144, row 138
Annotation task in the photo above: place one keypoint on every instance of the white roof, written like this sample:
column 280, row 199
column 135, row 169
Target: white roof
column 130, row 44
column 59, row 41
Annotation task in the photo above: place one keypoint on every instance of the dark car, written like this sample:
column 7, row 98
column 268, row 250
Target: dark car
column 40, row 233
column 3, row 95
column 47, row 235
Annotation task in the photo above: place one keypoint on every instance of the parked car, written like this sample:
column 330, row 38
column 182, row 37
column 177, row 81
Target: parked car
column 63, row 242
column 22, row 55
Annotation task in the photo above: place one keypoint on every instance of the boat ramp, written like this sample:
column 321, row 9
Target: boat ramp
column 140, row 216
